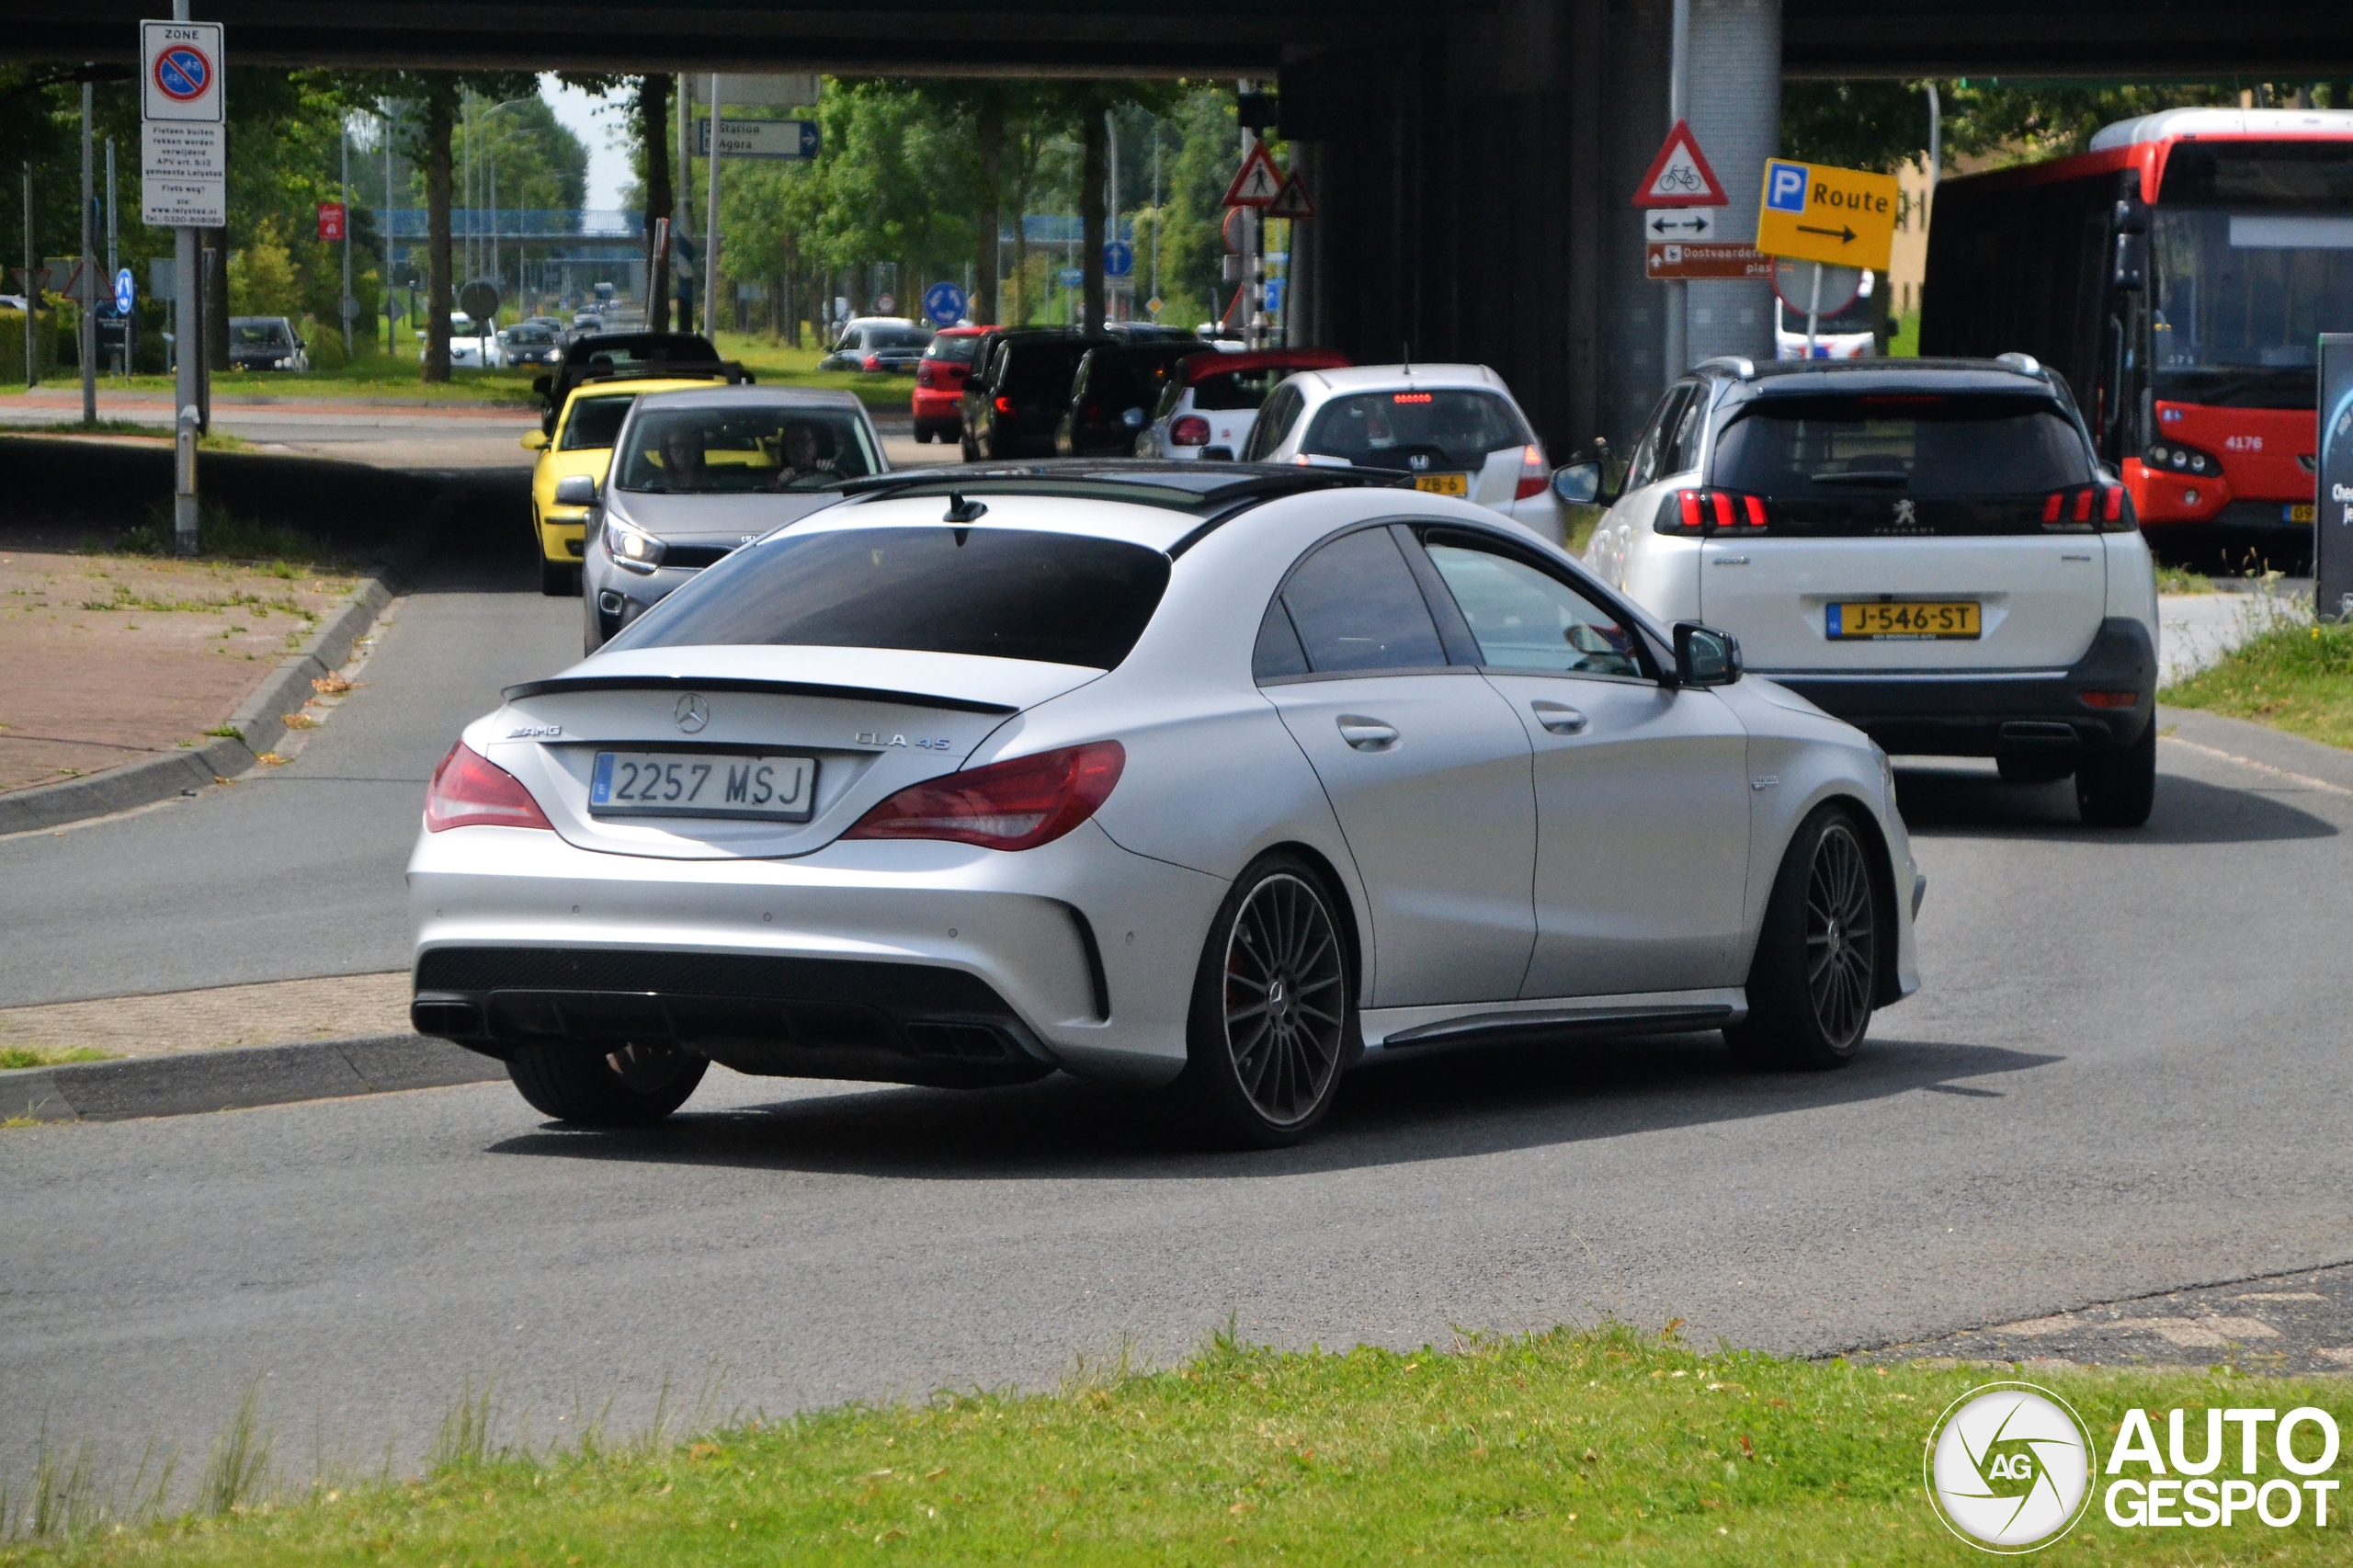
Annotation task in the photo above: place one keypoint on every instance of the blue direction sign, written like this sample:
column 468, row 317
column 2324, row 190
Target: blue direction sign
column 122, row 292
column 943, row 305
column 1070, row 276
column 1274, row 293
column 1118, row 258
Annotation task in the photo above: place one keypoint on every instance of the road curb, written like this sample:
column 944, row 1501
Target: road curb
column 2259, row 743
column 259, row 721
column 195, row 1082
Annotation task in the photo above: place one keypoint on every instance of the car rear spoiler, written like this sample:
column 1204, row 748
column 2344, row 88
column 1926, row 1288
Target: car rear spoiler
column 555, row 684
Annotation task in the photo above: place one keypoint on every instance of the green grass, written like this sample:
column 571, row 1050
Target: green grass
column 43, row 1056
column 2298, row 677
column 777, row 365
column 2182, row 580
column 1608, row 1447
column 376, row 377
column 217, row 441
column 221, row 535
column 1904, row 340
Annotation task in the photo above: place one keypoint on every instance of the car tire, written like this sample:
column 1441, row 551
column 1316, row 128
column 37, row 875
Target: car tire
column 1816, row 971
column 2117, row 787
column 636, row 1086
column 1263, row 1061
column 558, row 579
column 923, row 434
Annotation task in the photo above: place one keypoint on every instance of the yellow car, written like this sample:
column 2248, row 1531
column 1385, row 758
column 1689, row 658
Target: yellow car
column 583, row 444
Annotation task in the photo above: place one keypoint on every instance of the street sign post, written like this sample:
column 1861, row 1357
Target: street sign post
column 1292, row 201
column 1118, row 258
column 2332, row 517
column 1257, row 182
column 1690, row 225
column 125, row 292
column 1815, row 212
column 184, row 185
column 797, row 138
column 943, row 305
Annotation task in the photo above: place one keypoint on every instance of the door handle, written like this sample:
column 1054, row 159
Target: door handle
column 1367, row 734
column 1558, row 718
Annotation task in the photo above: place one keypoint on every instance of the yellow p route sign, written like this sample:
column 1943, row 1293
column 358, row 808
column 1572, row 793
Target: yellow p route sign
column 1815, row 212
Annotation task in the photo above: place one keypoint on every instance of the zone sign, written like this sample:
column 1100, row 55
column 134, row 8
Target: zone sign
column 182, row 74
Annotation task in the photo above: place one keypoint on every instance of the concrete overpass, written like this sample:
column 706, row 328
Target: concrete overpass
column 1471, row 159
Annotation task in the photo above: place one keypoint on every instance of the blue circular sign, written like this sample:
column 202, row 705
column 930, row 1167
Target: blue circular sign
column 183, row 72
column 1118, row 258
column 943, row 305
column 122, row 292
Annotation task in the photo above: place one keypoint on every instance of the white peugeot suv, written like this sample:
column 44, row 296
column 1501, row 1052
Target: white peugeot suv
column 1926, row 549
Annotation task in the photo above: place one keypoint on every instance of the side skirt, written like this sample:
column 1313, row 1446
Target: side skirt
column 1562, row 1019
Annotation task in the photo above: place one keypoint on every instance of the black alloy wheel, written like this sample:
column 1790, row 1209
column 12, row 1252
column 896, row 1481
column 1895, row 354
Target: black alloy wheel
column 1815, row 981
column 1273, row 1018
column 636, row 1084
column 2117, row 787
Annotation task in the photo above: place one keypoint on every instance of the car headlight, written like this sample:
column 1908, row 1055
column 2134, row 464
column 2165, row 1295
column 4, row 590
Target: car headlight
column 631, row 547
column 554, row 355
column 279, row 364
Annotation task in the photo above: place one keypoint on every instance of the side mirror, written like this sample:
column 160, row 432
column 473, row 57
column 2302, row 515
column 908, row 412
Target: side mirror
column 537, row 441
column 1704, row 656
column 1579, row 483
column 2131, row 271
column 576, row 490
column 543, row 385
column 1133, row 419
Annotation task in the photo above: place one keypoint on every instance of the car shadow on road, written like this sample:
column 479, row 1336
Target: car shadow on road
column 1461, row 1104
column 1951, row 803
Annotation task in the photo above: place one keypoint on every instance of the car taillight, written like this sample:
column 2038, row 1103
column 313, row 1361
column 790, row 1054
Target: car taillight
column 2106, row 506
column 1697, row 512
column 1004, row 404
column 1535, row 473
column 1006, row 805
column 1190, row 431
column 923, row 373
column 2108, row 698
column 872, row 361
column 471, row 791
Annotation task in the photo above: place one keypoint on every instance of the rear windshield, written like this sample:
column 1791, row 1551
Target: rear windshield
column 896, row 337
column 734, row 451
column 594, row 424
column 1001, row 593
column 957, row 350
column 268, row 333
column 1039, row 368
column 1389, row 429
column 1231, row 390
column 1924, row 446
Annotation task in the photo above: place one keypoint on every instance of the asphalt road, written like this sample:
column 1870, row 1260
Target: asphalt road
column 2127, row 1074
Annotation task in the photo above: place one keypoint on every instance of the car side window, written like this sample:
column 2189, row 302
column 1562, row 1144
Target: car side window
column 1643, row 467
column 1526, row 619
column 1275, row 420
column 1354, row 607
column 1682, row 447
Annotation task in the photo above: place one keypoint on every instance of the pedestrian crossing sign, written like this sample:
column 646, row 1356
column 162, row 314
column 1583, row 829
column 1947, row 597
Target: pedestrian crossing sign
column 1257, row 182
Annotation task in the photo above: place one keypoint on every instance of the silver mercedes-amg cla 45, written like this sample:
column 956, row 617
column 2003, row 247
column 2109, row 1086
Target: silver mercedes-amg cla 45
column 1197, row 777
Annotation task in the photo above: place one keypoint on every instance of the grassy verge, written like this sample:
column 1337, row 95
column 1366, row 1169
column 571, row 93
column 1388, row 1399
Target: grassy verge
column 2299, row 678
column 378, row 377
column 2182, row 580
column 217, row 441
column 1605, row 1447
column 43, row 1056
column 777, row 365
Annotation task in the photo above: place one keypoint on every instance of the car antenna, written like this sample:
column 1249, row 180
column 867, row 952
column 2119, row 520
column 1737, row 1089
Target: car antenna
column 1405, row 357
column 962, row 511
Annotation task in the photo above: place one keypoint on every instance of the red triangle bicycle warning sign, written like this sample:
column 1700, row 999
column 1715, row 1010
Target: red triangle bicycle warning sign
column 1292, row 201
column 1679, row 175
column 1257, row 182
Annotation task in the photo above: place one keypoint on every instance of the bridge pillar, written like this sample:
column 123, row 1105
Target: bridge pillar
column 1473, row 197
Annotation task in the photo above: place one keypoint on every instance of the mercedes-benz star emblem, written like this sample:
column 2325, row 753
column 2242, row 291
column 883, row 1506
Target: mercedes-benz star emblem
column 692, row 713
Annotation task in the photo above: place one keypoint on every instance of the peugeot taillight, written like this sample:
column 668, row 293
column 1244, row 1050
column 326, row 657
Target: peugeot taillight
column 1006, row 805
column 1535, row 473
column 471, row 791
column 1004, row 403
column 1190, row 431
column 1693, row 513
column 2105, row 506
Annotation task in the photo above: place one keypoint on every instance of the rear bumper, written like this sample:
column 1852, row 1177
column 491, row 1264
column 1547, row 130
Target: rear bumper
column 2034, row 712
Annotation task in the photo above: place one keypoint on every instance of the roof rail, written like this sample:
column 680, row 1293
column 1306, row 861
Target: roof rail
column 1737, row 366
column 2024, row 364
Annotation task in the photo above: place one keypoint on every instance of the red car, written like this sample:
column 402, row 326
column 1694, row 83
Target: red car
column 939, row 382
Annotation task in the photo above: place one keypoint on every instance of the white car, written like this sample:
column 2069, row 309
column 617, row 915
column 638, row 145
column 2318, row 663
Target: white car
column 1192, row 776
column 1454, row 428
column 1208, row 405
column 1927, row 549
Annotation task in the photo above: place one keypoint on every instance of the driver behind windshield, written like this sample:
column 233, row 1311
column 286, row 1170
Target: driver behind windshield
column 682, row 466
column 739, row 450
column 808, row 454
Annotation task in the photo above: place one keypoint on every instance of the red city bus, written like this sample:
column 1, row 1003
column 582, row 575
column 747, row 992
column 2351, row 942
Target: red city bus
column 2178, row 275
